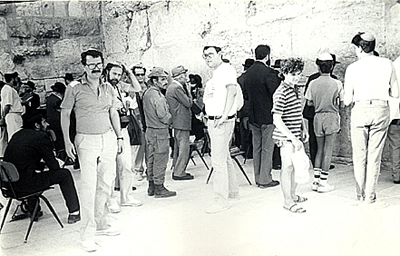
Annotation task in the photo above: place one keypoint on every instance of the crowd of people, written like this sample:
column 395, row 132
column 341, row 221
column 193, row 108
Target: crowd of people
column 116, row 126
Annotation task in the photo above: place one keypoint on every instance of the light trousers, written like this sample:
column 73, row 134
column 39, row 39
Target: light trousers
column 224, row 176
column 13, row 123
column 369, row 125
column 181, row 151
column 97, row 161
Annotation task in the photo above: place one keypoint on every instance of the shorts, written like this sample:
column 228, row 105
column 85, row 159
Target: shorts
column 326, row 123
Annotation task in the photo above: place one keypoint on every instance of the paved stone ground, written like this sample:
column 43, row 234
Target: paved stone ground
column 255, row 225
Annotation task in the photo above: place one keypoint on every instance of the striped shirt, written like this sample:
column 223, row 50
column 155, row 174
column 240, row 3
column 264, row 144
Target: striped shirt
column 288, row 105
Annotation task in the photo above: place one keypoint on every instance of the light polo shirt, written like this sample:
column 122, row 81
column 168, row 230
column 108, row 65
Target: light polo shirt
column 9, row 97
column 216, row 90
column 394, row 103
column 91, row 108
column 369, row 78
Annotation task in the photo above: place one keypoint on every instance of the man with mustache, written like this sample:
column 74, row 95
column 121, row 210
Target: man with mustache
column 97, row 142
column 158, row 119
column 114, row 72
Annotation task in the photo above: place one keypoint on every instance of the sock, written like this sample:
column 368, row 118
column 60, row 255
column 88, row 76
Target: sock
column 317, row 174
column 74, row 213
column 324, row 177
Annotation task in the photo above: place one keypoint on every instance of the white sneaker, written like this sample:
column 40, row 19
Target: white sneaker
column 314, row 186
column 114, row 208
column 110, row 231
column 216, row 207
column 132, row 202
column 89, row 245
column 325, row 188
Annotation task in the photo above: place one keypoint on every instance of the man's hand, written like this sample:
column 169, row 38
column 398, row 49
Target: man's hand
column 120, row 144
column 297, row 144
column 305, row 136
column 70, row 150
column 219, row 121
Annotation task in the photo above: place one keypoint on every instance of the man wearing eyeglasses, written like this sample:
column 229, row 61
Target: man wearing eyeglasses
column 97, row 142
column 180, row 102
column 221, row 106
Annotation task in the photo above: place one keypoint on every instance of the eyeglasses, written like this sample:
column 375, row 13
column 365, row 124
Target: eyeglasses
column 139, row 74
column 208, row 55
column 93, row 66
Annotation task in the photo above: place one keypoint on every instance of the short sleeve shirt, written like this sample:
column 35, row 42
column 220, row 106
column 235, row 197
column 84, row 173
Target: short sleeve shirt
column 326, row 94
column 287, row 104
column 92, row 109
column 216, row 90
column 9, row 96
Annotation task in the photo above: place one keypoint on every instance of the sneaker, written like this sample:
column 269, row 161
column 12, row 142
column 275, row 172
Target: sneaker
column 374, row 205
column 73, row 218
column 314, row 186
column 114, row 208
column 110, row 231
column 89, row 246
column 325, row 188
column 132, row 202
column 216, row 208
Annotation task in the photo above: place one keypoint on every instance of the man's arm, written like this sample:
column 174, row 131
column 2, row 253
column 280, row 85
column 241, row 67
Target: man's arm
column 185, row 100
column 65, row 123
column 394, row 86
column 115, row 122
column 48, row 155
column 133, row 80
column 230, row 100
column 162, row 111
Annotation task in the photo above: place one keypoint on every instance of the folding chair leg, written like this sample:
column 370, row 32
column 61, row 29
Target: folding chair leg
column 5, row 214
column 241, row 168
column 52, row 210
column 209, row 175
column 202, row 158
column 32, row 218
column 191, row 158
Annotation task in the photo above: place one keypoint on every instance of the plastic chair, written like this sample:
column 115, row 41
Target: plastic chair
column 8, row 175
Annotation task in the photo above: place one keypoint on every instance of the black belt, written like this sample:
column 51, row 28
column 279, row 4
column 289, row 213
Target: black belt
column 395, row 121
column 218, row 117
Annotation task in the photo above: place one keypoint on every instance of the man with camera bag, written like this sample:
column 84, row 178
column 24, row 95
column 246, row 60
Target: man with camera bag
column 113, row 74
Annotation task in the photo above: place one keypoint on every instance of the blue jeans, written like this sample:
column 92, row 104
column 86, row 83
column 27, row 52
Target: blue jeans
column 97, row 154
column 224, row 178
column 263, row 148
column 369, row 125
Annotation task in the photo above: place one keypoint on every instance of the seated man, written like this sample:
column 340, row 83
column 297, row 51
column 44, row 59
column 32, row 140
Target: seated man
column 25, row 150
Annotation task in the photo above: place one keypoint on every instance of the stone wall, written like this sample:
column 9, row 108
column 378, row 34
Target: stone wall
column 44, row 39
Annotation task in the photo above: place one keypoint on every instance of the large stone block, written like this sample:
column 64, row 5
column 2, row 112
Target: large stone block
column 76, row 9
column 3, row 29
column 28, row 9
column 39, row 67
column 18, row 27
column 92, row 9
column 48, row 9
column 6, row 63
column 66, row 47
column 60, row 8
column 91, row 42
column 46, row 28
column 5, row 9
column 81, row 27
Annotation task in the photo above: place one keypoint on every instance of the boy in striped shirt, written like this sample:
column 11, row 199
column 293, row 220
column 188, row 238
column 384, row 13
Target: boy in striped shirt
column 289, row 131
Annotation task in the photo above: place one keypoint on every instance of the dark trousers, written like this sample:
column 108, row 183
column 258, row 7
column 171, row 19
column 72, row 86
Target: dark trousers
column 246, row 137
column 312, row 141
column 60, row 177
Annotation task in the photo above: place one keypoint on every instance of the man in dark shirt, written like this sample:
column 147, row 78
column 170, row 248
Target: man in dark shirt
column 260, row 84
column 29, row 99
column 25, row 150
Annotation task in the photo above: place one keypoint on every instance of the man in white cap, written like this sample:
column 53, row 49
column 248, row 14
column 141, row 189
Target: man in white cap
column 326, row 95
column 368, row 84
column 221, row 105
column 180, row 102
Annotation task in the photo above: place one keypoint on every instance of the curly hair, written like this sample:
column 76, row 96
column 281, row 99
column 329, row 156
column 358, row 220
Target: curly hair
column 292, row 65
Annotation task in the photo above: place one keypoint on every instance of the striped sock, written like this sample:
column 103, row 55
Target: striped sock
column 317, row 174
column 324, row 177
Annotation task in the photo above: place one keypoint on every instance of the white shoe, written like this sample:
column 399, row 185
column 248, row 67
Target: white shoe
column 89, row 245
column 373, row 206
column 139, row 176
column 132, row 202
column 325, row 188
column 216, row 207
column 314, row 186
column 114, row 208
column 110, row 231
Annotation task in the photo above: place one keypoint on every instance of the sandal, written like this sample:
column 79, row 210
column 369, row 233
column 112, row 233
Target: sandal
column 295, row 209
column 300, row 199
